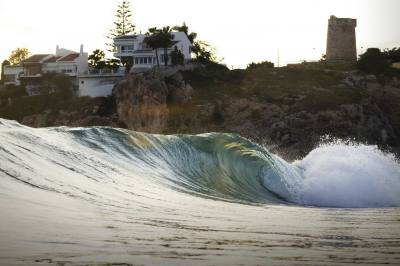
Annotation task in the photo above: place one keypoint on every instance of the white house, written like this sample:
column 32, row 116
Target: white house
column 67, row 62
column 63, row 61
column 133, row 48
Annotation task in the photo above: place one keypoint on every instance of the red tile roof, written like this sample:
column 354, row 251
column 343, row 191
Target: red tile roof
column 52, row 59
column 35, row 58
column 68, row 58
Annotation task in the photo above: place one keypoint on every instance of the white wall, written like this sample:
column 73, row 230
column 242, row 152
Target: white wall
column 63, row 51
column 82, row 63
column 183, row 45
column 96, row 86
column 59, row 67
column 13, row 71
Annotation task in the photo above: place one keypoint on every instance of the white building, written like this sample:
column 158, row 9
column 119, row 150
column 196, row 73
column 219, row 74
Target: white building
column 133, row 48
column 67, row 62
column 63, row 61
column 99, row 84
column 12, row 74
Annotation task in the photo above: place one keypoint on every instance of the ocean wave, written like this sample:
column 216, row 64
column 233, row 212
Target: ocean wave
column 83, row 162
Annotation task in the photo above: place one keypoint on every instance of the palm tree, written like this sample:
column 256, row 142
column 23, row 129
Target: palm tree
column 160, row 38
column 184, row 28
column 166, row 39
column 153, row 41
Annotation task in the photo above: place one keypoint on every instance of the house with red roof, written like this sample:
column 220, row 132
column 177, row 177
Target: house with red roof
column 90, row 82
column 31, row 70
column 63, row 61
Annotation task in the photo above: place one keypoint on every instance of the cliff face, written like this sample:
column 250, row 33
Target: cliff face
column 288, row 110
column 291, row 124
column 142, row 99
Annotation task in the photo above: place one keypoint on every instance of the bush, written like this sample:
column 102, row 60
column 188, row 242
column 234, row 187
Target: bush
column 264, row 64
column 60, row 83
column 373, row 61
column 177, row 57
column 12, row 91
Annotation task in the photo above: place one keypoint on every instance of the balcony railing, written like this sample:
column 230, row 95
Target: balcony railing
column 123, row 51
column 106, row 71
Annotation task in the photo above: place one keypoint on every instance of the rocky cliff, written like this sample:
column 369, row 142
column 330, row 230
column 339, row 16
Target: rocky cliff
column 291, row 123
column 289, row 110
column 142, row 99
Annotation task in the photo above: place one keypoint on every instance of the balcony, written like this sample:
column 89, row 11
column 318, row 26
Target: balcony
column 105, row 72
column 124, row 50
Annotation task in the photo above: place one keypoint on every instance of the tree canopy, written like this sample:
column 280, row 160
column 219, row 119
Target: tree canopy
column 97, row 60
column 264, row 65
column 18, row 55
column 122, row 25
column 393, row 55
column 160, row 38
column 3, row 64
column 184, row 28
column 373, row 61
column 202, row 51
column 96, row 57
column 177, row 58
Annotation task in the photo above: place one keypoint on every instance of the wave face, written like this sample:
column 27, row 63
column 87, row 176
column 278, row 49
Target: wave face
column 79, row 162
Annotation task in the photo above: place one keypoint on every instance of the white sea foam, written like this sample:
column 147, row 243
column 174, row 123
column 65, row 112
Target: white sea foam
column 350, row 175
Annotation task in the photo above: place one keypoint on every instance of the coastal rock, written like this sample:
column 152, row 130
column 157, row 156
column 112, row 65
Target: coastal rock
column 142, row 99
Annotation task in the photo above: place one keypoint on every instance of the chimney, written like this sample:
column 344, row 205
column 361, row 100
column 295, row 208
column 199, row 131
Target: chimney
column 57, row 48
column 81, row 51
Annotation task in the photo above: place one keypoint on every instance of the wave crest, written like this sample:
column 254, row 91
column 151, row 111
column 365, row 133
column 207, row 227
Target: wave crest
column 214, row 165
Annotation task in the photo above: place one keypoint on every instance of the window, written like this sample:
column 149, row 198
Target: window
column 136, row 60
column 149, row 59
column 141, row 60
column 126, row 48
column 145, row 60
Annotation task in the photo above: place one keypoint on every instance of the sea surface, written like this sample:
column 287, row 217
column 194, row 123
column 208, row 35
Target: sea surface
column 105, row 196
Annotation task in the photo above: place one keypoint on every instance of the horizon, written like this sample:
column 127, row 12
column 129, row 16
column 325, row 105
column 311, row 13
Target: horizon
column 272, row 38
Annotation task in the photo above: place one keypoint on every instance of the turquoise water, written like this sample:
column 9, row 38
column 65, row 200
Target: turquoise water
column 103, row 196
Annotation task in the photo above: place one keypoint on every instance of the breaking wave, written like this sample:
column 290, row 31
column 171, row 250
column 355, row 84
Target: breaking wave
column 96, row 164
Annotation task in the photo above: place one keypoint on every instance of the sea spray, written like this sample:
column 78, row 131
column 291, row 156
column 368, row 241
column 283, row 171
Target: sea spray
column 342, row 174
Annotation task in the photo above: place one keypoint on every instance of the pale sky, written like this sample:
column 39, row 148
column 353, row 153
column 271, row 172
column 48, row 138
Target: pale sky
column 241, row 31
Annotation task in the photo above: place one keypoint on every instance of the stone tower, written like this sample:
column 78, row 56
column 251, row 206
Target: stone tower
column 341, row 41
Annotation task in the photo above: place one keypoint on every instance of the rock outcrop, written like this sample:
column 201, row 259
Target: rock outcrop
column 142, row 99
column 289, row 117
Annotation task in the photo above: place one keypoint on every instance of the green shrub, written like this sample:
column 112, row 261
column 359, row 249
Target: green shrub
column 373, row 61
column 264, row 64
column 12, row 91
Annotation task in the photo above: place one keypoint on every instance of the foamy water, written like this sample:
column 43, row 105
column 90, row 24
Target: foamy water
column 353, row 175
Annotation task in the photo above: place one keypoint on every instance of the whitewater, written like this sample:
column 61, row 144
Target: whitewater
column 106, row 196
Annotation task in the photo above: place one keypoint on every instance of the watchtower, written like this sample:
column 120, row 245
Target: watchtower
column 341, row 41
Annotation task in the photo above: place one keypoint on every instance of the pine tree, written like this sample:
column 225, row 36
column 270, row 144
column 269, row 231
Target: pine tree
column 122, row 25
